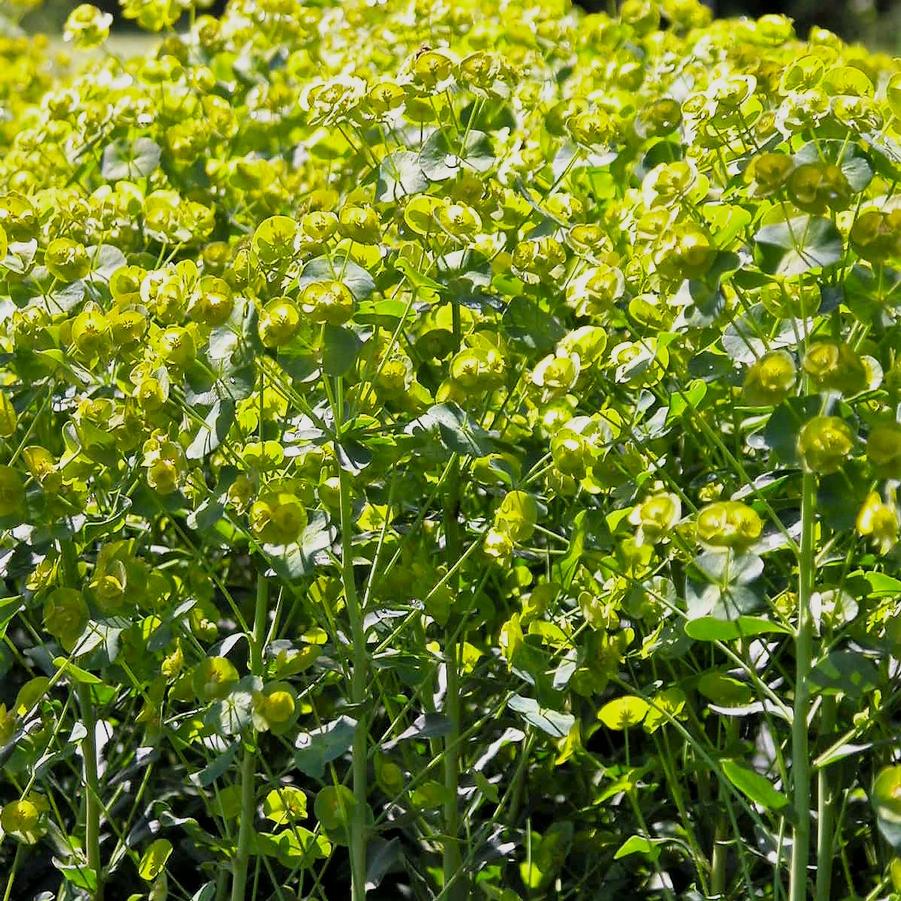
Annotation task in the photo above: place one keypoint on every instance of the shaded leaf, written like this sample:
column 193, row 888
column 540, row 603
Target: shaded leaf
column 757, row 788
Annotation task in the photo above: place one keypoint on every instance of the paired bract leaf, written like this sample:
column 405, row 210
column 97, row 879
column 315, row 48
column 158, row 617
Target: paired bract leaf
column 623, row 713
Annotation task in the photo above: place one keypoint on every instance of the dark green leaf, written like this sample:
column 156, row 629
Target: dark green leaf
column 798, row 245
column 754, row 786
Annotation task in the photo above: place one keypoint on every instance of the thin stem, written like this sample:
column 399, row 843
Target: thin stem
column 801, row 787
column 358, row 825
column 10, row 879
column 92, row 786
column 454, row 883
column 825, row 810
column 451, row 857
column 248, row 763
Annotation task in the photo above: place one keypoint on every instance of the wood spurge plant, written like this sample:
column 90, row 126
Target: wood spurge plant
column 449, row 450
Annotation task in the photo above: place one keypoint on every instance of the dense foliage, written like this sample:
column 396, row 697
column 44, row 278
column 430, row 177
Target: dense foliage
column 451, row 449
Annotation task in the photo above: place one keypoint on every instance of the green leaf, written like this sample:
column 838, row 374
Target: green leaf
column 230, row 715
column 529, row 324
column 213, row 430
column 798, row 245
column 847, row 672
column 726, row 567
column 80, row 876
column 726, row 221
column 689, row 399
column 131, row 161
column 665, row 706
column 440, row 160
column 638, row 844
column 285, row 804
column 293, row 848
column 784, row 424
column 850, row 158
column 342, row 269
column 757, row 788
column 840, row 495
column 416, row 278
column 154, row 859
column 882, row 585
column 552, row 722
column 76, row 673
column 333, row 806
column 622, row 713
column 569, row 563
column 712, row 628
column 886, row 801
column 724, row 690
column 400, row 175
column 457, row 432
column 9, row 607
column 216, row 768
column 340, row 348
column 321, row 746
column 295, row 560
column 722, row 601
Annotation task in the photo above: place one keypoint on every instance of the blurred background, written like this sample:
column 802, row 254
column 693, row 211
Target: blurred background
column 876, row 23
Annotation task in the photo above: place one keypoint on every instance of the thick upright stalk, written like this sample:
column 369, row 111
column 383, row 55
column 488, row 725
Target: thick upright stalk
column 453, row 876
column 801, row 785
column 719, row 858
column 358, row 824
column 454, row 881
column 825, row 809
column 248, row 762
column 69, row 560
column 92, row 787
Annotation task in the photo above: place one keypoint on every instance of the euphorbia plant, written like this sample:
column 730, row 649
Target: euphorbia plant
column 451, row 451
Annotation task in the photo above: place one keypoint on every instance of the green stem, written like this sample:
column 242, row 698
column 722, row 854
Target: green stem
column 248, row 763
column 825, row 810
column 632, row 795
column 454, row 879
column 453, row 875
column 719, row 858
column 11, row 878
column 92, row 804
column 801, row 787
column 92, row 786
column 358, row 825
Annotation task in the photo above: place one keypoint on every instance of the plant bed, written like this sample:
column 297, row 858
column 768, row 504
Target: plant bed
column 449, row 451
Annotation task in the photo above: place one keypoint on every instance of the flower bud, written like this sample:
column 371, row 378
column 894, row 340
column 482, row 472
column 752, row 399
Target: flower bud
column 884, row 450
column 90, row 333
column 360, row 224
column 656, row 516
column 728, row 524
column 824, row 443
column 834, row 366
column 67, row 260
column 12, row 492
column 878, row 521
column 770, row 380
column 65, row 616
column 328, row 302
column 278, row 517
column 517, row 515
column 279, row 322
column 213, row 678
column 176, row 345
